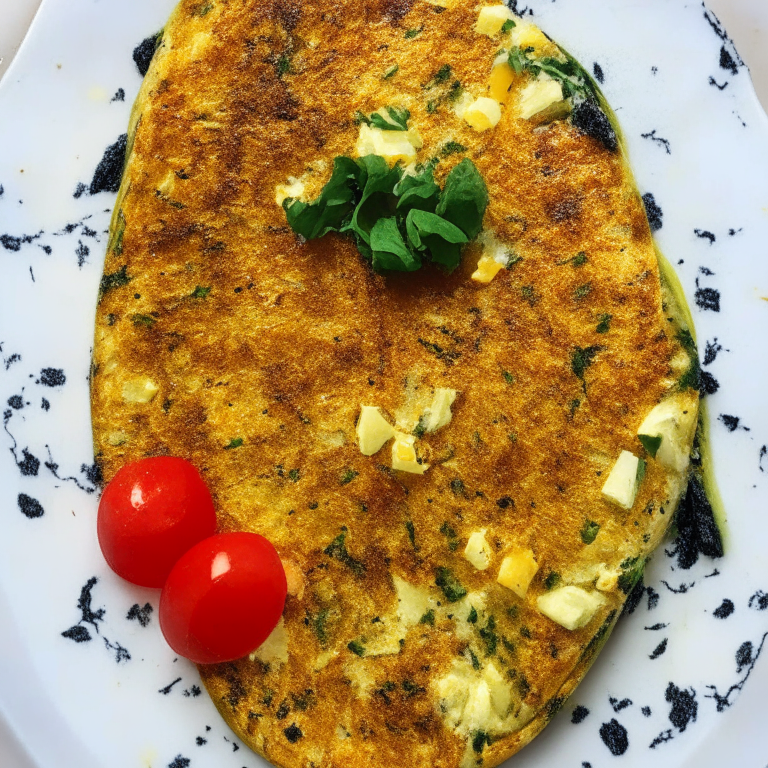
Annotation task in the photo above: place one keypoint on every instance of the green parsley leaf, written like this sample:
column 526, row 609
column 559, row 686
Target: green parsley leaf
column 443, row 75
column 582, row 358
column 464, row 199
column 377, row 182
column 338, row 549
column 146, row 320
column 589, row 531
column 411, row 33
column 508, row 377
column 605, row 324
column 552, row 580
column 390, row 251
column 356, row 647
column 507, row 25
column 391, row 72
column 348, row 476
column 428, row 231
column 235, row 442
column 333, row 206
column 582, row 291
column 428, row 618
column 650, row 443
column 200, row 292
column 419, row 191
column 451, row 586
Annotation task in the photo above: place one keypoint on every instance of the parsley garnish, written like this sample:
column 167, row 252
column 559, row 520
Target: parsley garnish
column 396, row 220
column 391, row 72
column 650, row 443
column 507, row 25
column 390, row 119
column 589, row 531
column 581, row 359
column 451, row 586
column 411, row 33
column 605, row 323
column 338, row 549
column 235, row 442
column 200, row 292
column 356, row 647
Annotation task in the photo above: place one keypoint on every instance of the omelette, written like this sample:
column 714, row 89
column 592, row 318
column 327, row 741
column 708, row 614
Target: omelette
column 380, row 270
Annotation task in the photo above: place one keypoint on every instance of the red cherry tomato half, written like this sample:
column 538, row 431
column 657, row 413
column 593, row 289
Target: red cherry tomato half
column 223, row 598
column 151, row 513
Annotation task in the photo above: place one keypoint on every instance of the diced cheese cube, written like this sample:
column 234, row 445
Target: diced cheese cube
column 274, row 650
column 373, row 430
column 139, row 390
column 501, row 695
column 453, row 692
column 391, row 145
column 404, row 455
column 478, row 551
column 674, row 421
column 500, row 81
column 438, row 414
column 491, row 19
column 622, row 483
column 570, row 607
column 487, row 269
column 483, row 113
column 538, row 95
column 478, row 711
column 517, row 571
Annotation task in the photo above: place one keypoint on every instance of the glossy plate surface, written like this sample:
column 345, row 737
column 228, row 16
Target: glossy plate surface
column 85, row 678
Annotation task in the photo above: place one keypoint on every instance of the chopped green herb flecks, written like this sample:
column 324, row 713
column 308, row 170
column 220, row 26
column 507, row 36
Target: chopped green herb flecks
column 512, row 437
column 235, row 442
column 631, row 572
column 428, row 618
column 356, row 647
column 420, row 428
column 605, row 323
column 479, row 740
column 473, row 658
column 457, row 486
column 552, row 580
column 146, row 320
column 508, row 377
column 489, row 636
column 294, row 475
column 391, row 72
column 472, row 618
column 575, row 404
column 411, row 533
column 201, row 292
column 651, row 443
column 114, row 280
column 451, row 586
column 443, row 75
column 411, row 33
column 452, row 148
column 580, row 259
column 348, row 476
column 691, row 379
column 338, row 549
column 318, row 624
column 440, row 353
column 529, row 294
column 450, row 534
column 283, row 65
column 390, row 119
column 589, row 531
column 581, row 359
column 582, row 291
column 507, row 25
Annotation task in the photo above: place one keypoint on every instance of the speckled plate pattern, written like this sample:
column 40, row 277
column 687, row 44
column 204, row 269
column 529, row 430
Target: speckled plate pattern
column 85, row 677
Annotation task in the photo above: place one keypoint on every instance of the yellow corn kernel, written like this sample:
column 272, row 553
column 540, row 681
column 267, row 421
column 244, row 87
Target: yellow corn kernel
column 487, row 269
column 500, row 81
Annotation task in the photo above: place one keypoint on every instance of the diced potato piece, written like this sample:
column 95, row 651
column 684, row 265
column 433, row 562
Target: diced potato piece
column 483, row 113
column 391, row 145
column 570, row 607
column 373, row 430
column 478, row 711
column 412, row 601
column 478, row 551
column 517, row 571
column 140, row 390
column 491, row 19
column 438, row 414
column 487, row 269
column 623, row 481
column 293, row 189
column 674, row 421
column 527, row 35
column 500, row 81
column 404, row 455
column 501, row 695
column 538, row 95
column 453, row 692
column 274, row 650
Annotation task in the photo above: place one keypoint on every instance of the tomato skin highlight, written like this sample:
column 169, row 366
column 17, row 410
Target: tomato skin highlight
column 223, row 598
column 150, row 514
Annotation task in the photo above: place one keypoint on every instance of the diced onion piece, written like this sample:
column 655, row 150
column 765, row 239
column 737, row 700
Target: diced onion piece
column 517, row 571
column 491, row 19
column 373, row 430
column 483, row 113
column 140, row 390
column 570, row 607
column 622, row 483
column 538, row 95
column 404, row 455
column 478, row 551
column 487, row 269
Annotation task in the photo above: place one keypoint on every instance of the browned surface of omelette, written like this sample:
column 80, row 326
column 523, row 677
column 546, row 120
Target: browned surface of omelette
column 260, row 379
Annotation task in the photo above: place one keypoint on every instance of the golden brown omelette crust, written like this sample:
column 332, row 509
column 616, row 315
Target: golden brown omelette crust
column 293, row 337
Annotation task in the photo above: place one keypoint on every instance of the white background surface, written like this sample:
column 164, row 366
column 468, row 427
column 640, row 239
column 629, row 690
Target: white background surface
column 745, row 20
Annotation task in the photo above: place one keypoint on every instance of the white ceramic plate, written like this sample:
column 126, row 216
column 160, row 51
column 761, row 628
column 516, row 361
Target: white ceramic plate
column 85, row 678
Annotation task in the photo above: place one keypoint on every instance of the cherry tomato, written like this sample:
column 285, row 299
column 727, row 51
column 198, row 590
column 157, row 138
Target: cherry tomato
column 223, row 598
column 151, row 513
